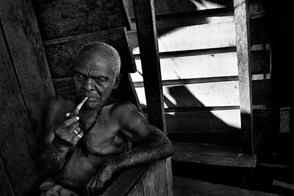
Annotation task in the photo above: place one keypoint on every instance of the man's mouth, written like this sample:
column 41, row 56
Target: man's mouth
column 92, row 99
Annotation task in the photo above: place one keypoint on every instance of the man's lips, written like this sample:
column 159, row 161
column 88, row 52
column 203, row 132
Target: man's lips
column 92, row 99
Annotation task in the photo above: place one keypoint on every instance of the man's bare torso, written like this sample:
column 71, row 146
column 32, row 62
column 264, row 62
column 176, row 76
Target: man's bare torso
column 98, row 144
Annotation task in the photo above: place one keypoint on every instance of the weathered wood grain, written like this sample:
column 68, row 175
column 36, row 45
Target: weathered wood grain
column 212, row 155
column 183, row 94
column 244, row 69
column 154, row 181
column 18, row 147
column 127, row 181
column 28, row 56
column 5, row 186
column 73, row 17
column 138, row 190
column 169, row 177
column 206, row 64
column 224, row 121
column 61, row 52
column 147, row 36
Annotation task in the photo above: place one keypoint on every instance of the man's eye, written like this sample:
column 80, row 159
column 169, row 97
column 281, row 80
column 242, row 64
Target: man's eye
column 100, row 79
column 79, row 75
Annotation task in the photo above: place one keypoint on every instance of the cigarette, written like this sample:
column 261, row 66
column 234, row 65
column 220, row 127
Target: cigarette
column 82, row 103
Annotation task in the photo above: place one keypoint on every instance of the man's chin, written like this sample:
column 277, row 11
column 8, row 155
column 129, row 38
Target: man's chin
column 93, row 104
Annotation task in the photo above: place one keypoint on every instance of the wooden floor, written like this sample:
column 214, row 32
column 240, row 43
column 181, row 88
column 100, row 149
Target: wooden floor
column 191, row 187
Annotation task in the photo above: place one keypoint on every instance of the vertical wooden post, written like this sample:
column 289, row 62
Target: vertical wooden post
column 24, row 42
column 147, row 38
column 243, row 55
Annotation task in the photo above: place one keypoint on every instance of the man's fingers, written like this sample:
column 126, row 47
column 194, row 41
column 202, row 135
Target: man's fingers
column 71, row 121
column 73, row 126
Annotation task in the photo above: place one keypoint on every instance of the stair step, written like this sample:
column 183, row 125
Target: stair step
column 212, row 154
column 191, row 187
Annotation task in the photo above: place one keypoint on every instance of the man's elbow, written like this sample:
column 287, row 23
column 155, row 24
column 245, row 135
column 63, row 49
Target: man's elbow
column 168, row 148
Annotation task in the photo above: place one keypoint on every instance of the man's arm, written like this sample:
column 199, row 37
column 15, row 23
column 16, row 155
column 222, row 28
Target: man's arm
column 58, row 136
column 150, row 144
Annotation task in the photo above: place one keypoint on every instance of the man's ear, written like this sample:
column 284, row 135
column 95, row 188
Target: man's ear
column 117, row 80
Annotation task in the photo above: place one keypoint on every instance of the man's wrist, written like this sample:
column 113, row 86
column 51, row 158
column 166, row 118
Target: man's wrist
column 60, row 143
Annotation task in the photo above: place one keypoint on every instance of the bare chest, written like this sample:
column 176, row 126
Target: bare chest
column 105, row 138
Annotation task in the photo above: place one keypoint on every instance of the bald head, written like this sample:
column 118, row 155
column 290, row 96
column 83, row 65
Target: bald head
column 100, row 52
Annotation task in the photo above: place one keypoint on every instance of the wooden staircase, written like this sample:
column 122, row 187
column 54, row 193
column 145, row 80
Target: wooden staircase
column 209, row 141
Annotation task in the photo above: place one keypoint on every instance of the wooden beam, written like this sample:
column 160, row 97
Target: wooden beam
column 126, row 181
column 145, row 21
column 61, row 53
column 18, row 147
column 244, row 69
column 66, row 17
column 5, row 184
column 181, row 82
column 212, row 155
column 29, row 60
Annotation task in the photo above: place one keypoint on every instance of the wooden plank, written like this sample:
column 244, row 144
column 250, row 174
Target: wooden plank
column 212, row 155
column 126, row 181
column 169, row 176
column 176, row 7
column 174, row 27
column 188, row 186
column 194, row 109
column 214, row 35
column 260, row 62
column 181, row 82
column 65, row 87
column 5, row 185
column 61, row 52
column 176, row 20
column 28, row 56
column 223, row 121
column 66, row 17
column 170, row 7
column 145, row 20
column 218, row 62
column 260, row 32
column 262, row 92
column 243, row 56
column 211, row 95
column 217, row 94
column 222, row 139
column 18, row 147
column 154, row 181
column 137, row 190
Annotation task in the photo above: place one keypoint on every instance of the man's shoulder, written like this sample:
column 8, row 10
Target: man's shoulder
column 121, row 107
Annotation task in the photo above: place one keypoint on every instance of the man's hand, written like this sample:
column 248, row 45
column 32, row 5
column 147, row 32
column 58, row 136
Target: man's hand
column 69, row 130
column 97, row 183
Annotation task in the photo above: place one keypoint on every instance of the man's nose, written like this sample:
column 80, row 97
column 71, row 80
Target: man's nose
column 89, row 85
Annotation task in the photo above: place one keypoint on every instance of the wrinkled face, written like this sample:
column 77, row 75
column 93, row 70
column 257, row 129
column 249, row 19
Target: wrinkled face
column 94, row 78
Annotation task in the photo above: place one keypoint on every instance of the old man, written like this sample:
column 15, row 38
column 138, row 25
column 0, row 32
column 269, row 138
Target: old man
column 84, row 147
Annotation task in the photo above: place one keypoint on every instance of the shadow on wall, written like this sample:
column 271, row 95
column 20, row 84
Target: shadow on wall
column 198, row 125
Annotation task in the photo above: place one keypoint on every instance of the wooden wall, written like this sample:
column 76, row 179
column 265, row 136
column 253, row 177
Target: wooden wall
column 25, row 87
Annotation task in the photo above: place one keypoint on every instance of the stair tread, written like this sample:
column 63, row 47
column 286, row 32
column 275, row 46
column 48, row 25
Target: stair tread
column 212, row 154
column 191, row 187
